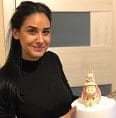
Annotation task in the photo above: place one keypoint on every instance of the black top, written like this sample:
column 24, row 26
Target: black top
column 40, row 90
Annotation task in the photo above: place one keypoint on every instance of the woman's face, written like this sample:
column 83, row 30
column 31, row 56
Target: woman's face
column 34, row 36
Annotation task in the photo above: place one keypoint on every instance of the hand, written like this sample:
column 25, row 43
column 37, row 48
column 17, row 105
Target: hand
column 70, row 114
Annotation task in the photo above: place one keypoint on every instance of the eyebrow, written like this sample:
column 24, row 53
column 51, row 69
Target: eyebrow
column 37, row 28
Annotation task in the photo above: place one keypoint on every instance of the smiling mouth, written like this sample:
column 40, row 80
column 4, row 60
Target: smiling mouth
column 38, row 48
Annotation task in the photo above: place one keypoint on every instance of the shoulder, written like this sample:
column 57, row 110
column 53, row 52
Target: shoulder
column 53, row 59
column 51, row 54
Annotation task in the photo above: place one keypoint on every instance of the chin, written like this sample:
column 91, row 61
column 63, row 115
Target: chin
column 38, row 55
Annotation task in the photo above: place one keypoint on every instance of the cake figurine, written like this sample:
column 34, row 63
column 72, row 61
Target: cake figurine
column 91, row 93
column 91, row 104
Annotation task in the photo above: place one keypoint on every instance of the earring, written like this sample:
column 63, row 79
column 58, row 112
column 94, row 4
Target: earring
column 16, row 37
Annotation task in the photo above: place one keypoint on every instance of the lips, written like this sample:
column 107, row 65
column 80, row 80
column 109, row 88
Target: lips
column 38, row 48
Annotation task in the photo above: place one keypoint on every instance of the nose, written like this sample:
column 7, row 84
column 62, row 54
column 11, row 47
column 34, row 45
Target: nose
column 40, row 38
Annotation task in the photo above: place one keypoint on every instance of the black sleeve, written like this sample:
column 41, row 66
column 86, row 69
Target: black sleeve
column 65, row 80
column 68, row 86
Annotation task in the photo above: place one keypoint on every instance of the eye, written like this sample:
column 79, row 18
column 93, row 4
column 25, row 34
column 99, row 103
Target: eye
column 46, row 32
column 32, row 31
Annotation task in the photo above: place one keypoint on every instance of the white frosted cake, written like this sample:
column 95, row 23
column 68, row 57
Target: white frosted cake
column 91, row 104
column 106, row 108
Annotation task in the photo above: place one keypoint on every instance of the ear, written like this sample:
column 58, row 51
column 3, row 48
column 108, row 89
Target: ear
column 15, row 33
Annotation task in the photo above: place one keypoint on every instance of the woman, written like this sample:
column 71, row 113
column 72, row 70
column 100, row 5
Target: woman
column 33, row 84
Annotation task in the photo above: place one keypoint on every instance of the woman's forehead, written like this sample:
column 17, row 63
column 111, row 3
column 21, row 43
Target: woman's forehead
column 37, row 20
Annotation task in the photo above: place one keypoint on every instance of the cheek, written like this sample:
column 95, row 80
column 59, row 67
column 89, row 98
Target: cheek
column 25, row 44
column 48, row 39
column 26, row 40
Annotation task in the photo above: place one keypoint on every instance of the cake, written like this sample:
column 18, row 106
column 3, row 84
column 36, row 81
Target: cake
column 92, row 104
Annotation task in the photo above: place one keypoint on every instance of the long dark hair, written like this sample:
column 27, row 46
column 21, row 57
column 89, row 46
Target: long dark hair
column 11, row 69
column 25, row 9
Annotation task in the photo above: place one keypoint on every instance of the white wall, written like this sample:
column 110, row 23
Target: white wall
column 114, row 44
column 2, row 49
